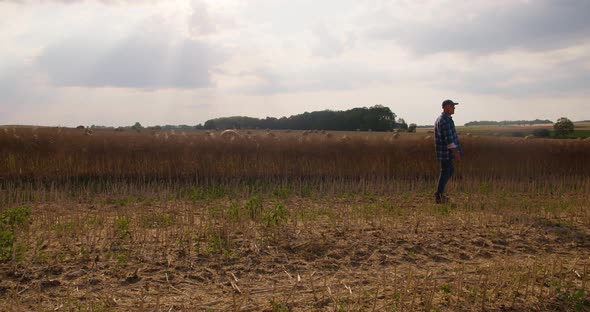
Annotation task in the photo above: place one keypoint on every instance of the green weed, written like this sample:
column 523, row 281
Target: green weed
column 218, row 243
column 121, row 258
column 122, row 227
column 207, row 193
column 575, row 300
column 16, row 216
column 278, row 306
column 277, row 215
column 6, row 244
column 282, row 191
column 10, row 221
column 446, row 288
column 233, row 212
column 485, row 188
column 122, row 201
column 392, row 209
column 254, row 207
column 443, row 210
column 93, row 221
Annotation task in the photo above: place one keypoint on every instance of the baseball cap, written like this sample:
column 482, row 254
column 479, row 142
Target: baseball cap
column 448, row 102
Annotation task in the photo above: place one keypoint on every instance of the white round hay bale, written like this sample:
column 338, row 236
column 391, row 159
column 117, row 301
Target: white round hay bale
column 230, row 135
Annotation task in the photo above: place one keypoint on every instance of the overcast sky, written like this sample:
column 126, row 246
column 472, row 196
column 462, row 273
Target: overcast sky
column 115, row 62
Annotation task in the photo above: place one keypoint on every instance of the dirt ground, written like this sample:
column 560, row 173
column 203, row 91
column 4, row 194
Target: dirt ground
column 355, row 253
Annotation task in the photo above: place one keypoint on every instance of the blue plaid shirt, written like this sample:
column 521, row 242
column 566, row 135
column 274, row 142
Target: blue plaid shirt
column 445, row 136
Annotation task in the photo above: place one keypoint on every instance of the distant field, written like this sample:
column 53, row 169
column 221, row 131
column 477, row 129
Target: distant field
column 289, row 221
column 581, row 130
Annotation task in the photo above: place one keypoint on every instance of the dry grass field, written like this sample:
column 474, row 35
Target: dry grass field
column 289, row 221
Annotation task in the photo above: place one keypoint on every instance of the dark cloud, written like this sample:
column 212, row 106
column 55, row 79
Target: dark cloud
column 145, row 60
column 532, row 25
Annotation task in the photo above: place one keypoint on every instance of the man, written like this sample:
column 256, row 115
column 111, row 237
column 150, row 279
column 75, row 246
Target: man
column 447, row 146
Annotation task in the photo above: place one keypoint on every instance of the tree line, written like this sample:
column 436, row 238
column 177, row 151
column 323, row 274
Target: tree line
column 376, row 118
column 508, row 122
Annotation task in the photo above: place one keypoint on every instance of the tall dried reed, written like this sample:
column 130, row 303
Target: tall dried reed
column 68, row 157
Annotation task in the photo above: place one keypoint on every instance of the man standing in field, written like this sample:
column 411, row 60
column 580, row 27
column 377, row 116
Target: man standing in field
column 447, row 146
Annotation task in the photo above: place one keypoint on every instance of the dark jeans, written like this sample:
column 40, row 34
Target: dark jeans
column 446, row 172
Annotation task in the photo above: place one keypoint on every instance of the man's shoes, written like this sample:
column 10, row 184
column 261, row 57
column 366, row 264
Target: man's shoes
column 441, row 199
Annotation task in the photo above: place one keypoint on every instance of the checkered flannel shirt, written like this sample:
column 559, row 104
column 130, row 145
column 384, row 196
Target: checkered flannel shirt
column 445, row 137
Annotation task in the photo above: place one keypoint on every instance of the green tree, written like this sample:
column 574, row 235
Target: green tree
column 137, row 126
column 402, row 125
column 379, row 118
column 376, row 118
column 541, row 133
column 563, row 126
column 412, row 127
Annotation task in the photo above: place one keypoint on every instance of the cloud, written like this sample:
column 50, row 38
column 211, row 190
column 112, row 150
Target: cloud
column 145, row 59
column 531, row 25
column 200, row 22
column 314, row 78
column 328, row 44
column 79, row 1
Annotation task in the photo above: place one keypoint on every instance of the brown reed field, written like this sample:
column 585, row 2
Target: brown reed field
column 289, row 221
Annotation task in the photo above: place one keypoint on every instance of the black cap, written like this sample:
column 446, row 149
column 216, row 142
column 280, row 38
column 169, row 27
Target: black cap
column 448, row 102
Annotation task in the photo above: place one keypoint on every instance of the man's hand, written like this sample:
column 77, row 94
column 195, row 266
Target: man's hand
column 456, row 153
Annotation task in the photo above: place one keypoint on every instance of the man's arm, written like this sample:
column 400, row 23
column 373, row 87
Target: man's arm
column 456, row 153
column 451, row 133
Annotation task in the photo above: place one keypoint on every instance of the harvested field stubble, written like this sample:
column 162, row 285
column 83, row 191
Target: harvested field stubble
column 122, row 221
